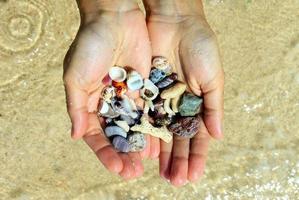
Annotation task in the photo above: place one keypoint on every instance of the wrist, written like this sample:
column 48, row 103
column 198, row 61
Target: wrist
column 92, row 8
column 174, row 8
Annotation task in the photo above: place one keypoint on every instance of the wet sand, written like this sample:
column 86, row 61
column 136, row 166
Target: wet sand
column 258, row 159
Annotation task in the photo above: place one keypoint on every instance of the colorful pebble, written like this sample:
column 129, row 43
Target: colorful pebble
column 190, row 105
column 137, row 141
column 156, row 75
column 167, row 81
column 121, row 144
column 115, row 130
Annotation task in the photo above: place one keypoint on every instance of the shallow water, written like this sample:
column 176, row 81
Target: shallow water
column 259, row 158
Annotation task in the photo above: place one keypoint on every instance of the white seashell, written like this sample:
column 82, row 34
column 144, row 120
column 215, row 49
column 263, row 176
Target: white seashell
column 149, row 91
column 108, row 93
column 123, row 107
column 162, row 63
column 117, row 74
column 122, row 124
column 134, row 81
column 105, row 110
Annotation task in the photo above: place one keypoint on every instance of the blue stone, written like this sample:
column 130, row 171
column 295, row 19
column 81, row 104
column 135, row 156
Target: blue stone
column 121, row 144
column 115, row 130
column 156, row 75
column 190, row 105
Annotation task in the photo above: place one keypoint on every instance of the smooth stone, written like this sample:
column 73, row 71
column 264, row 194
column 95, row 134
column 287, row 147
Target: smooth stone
column 137, row 141
column 121, row 144
column 115, row 130
column 167, row 81
column 185, row 126
column 156, row 75
column 190, row 104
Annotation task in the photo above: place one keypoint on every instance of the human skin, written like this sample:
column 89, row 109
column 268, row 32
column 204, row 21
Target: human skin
column 112, row 32
column 179, row 31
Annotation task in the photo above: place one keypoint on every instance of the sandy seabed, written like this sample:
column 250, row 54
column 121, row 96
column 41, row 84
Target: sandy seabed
column 259, row 158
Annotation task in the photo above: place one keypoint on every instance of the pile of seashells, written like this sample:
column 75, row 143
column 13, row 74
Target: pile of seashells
column 169, row 109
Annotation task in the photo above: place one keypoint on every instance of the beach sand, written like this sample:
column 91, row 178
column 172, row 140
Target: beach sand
column 258, row 159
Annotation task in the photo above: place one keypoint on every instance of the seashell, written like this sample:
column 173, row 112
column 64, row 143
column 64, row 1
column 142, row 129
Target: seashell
column 137, row 141
column 134, row 81
column 115, row 130
column 123, row 107
column 162, row 63
column 149, row 91
column 122, row 124
column 190, row 105
column 128, row 119
column 108, row 93
column 117, row 74
column 174, row 91
column 156, row 75
column 146, row 128
column 185, row 126
column 105, row 110
column 175, row 103
column 120, row 88
column 167, row 81
column 121, row 144
column 167, row 107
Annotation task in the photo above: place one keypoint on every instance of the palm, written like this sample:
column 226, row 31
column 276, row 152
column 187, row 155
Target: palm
column 109, row 40
column 190, row 46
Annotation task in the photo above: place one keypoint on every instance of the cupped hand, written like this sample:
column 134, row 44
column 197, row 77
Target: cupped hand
column 106, row 38
column 189, row 43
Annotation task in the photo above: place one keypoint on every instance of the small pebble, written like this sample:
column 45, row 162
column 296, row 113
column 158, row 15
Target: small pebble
column 167, row 81
column 121, row 144
column 156, row 75
column 190, row 105
column 137, row 141
column 115, row 130
column 185, row 126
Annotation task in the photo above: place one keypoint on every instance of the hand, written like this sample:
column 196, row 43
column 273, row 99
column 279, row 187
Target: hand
column 178, row 31
column 111, row 33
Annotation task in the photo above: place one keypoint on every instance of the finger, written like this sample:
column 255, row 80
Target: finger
column 198, row 153
column 102, row 147
column 179, row 164
column 137, row 164
column 213, row 106
column 146, row 151
column 128, row 170
column 155, row 147
column 165, row 159
column 76, row 100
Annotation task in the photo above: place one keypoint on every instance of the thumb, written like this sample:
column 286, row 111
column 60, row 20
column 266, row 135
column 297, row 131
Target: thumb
column 76, row 100
column 213, row 106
